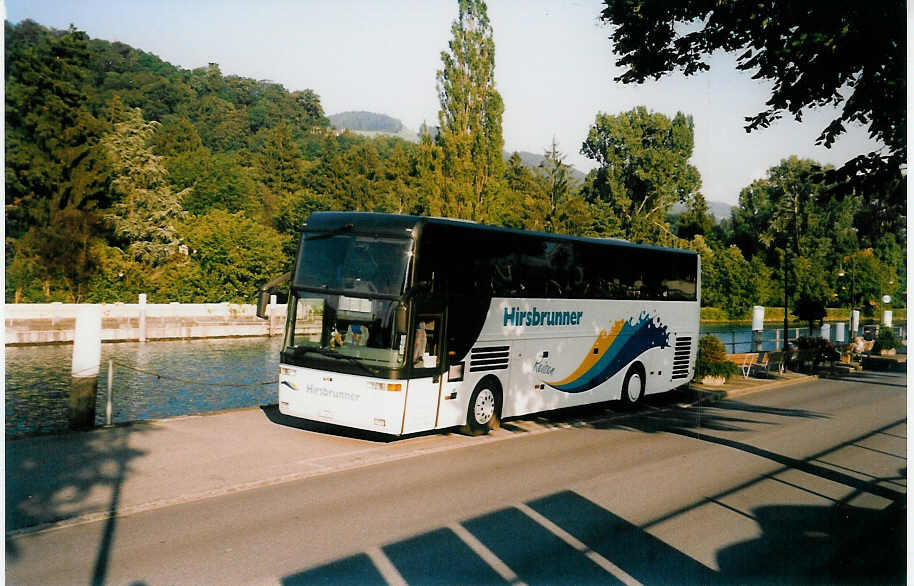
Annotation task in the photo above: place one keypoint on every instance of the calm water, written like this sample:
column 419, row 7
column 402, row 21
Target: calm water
column 737, row 339
column 38, row 377
column 38, row 380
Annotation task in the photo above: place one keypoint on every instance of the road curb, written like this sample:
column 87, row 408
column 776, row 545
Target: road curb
column 724, row 393
column 375, row 456
column 371, row 457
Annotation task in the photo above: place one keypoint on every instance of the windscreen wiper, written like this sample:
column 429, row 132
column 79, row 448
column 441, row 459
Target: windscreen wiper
column 334, row 354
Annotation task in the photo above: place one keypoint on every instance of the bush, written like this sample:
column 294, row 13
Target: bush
column 725, row 369
column 886, row 340
column 712, row 359
column 816, row 350
column 711, row 349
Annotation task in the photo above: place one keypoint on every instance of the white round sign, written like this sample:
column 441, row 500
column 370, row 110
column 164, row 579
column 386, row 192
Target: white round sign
column 886, row 298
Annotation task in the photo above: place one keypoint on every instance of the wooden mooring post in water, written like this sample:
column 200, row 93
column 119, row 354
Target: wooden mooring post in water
column 87, row 357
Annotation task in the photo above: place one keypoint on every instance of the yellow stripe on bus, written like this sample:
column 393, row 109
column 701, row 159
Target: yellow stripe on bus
column 604, row 340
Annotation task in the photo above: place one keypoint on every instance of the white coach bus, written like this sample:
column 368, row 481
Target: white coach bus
column 401, row 324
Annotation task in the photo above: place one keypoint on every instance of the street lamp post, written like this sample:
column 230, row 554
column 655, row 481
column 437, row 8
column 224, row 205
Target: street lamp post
column 853, row 274
column 786, row 336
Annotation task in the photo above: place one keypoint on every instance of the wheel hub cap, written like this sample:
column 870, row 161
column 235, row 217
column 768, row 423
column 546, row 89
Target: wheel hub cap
column 634, row 387
column 484, row 407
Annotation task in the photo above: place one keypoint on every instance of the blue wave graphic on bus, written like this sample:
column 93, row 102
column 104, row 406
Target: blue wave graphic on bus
column 614, row 350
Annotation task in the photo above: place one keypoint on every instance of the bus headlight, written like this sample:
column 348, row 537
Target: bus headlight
column 391, row 387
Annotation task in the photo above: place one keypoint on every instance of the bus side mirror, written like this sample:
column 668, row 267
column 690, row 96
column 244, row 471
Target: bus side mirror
column 264, row 300
column 263, row 303
column 401, row 319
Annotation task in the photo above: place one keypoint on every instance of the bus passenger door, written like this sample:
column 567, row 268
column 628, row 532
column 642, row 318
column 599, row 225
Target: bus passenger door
column 424, row 387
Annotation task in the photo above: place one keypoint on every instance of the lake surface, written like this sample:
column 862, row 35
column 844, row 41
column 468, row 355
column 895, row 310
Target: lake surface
column 215, row 374
column 739, row 339
column 38, row 380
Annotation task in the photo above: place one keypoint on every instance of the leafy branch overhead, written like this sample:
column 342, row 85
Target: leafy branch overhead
column 848, row 54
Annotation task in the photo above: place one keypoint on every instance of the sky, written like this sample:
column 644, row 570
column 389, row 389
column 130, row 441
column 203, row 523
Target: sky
column 554, row 68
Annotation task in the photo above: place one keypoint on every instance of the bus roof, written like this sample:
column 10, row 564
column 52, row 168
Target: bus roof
column 397, row 223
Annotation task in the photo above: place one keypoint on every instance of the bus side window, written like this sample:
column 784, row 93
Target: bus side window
column 425, row 347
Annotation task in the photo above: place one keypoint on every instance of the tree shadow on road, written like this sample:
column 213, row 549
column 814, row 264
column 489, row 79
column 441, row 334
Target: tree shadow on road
column 884, row 379
column 837, row 544
column 723, row 415
column 565, row 538
column 52, row 479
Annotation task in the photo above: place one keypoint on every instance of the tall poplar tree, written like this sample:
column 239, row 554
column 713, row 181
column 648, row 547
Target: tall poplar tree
column 470, row 117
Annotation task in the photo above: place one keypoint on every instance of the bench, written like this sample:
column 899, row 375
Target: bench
column 750, row 362
column 777, row 362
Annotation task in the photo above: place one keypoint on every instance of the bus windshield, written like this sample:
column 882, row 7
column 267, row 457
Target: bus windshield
column 351, row 329
column 362, row 264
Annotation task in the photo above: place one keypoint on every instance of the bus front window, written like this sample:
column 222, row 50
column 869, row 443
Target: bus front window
column 362, row 264
column 339, row 326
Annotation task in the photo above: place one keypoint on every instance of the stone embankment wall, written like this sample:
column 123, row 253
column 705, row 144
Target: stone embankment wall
column 47, row 323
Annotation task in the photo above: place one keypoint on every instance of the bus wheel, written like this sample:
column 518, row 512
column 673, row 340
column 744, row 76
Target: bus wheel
column 483, row 411
column 633, row 387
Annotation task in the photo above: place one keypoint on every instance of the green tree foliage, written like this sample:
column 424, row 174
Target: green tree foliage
column 848, row 54
column 811, row 292
column 235, row 254
column 784, row 212
column 732, row 283
column 696, row 219
column 208, row 180
column 522, row 203
column 771, row 210
column 52, row 159
column 54, row 263
column 145, row 208
column 470, row 117
column 428, row 176
column 95, row 183
column 108, row 146
column 398, row 190
column 644, row 169
column 862, row 281
column 557, row 184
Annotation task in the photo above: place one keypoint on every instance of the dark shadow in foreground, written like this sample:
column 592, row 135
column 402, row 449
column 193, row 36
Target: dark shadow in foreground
column 799, row 544
column 837, row 544
column 53, row 478
column 824, row 543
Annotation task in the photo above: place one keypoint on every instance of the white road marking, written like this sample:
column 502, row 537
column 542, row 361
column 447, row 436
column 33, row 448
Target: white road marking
column 385, row 567
column 500, row 567
column 573, row 541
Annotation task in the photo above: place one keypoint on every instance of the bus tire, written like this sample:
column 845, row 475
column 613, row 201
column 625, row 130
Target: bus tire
column 633, row 387
column 484, row 409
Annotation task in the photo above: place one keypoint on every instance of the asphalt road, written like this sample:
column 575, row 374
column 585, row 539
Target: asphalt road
column 798, row 485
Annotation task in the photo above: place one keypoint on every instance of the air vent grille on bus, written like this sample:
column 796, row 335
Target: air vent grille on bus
column 682, row 352
column 490, row 358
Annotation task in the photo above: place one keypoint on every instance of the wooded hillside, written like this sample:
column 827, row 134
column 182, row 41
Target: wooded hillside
column 126, row 174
